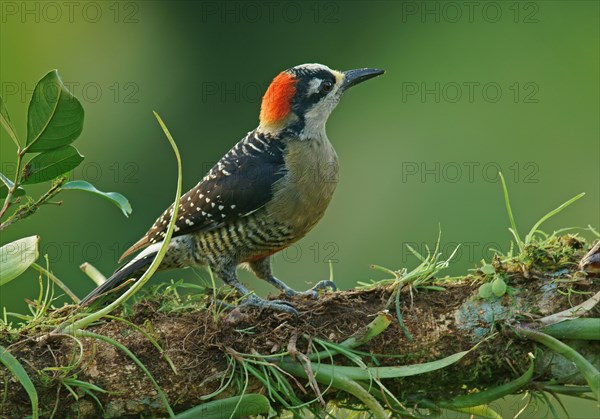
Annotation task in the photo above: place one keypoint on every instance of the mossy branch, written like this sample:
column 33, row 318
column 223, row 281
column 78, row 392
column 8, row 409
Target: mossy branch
column 442, row 324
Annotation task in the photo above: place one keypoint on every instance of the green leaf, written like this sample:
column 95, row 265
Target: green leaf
column 15, row 367
column 233, row 407
column 114, row 197
column 401, row 371
column 17, row 256
column 85, row 385
column 54, row 117
column 359, row 373
column 51, row 164
column 6, row 185
column 498, row 287
column 488, row 269
column 6, row 124
column 585, row 367
column 485, row 290
column 584, row 329
column 549, row 215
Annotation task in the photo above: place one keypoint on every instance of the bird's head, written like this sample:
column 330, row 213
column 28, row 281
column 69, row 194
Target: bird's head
column 301, row 98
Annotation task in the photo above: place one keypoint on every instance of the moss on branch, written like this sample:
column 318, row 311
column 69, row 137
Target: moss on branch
column 194, row 349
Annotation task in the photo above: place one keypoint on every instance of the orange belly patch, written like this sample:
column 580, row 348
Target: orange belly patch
column 264, row 255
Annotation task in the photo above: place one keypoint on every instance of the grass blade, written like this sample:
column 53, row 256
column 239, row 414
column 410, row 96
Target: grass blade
column 513, row 225
column 357, row 373
column 15, row 367
column 57, row 281
column 552, row 213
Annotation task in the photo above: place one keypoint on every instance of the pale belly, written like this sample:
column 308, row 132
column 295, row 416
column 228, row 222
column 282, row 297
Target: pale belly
column 299, row 201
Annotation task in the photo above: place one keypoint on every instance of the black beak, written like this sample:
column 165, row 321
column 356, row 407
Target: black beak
column 353, row 77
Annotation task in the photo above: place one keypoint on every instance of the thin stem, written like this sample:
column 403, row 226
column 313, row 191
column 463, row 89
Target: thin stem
column 11, row 191
column 30, row 209
column 57, row 281
column 93, row 273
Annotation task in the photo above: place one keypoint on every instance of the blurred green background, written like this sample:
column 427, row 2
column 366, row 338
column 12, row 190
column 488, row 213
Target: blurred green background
column 471, row 88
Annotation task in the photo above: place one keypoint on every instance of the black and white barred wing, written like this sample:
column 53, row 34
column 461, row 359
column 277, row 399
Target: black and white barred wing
column 239, row 184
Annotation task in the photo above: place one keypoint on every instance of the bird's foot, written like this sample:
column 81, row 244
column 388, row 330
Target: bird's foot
column 277, row 305
column 314, row 291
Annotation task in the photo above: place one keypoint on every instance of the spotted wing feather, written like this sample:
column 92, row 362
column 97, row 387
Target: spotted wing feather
column 239, row 184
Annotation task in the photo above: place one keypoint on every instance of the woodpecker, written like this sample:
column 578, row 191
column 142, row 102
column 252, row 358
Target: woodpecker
column 263, row 195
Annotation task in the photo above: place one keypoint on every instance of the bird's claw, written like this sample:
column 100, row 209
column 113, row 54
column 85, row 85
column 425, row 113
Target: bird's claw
column 323, row 285
column 314, row 291
column 277, row 305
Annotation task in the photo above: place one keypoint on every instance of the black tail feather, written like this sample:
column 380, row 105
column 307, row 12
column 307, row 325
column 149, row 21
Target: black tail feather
column 119, row 277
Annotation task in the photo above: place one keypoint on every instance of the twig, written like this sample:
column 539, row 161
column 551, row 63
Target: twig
column 29, row 209
column 11, row 191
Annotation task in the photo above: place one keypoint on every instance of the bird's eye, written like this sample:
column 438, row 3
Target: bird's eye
column 327, row 86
